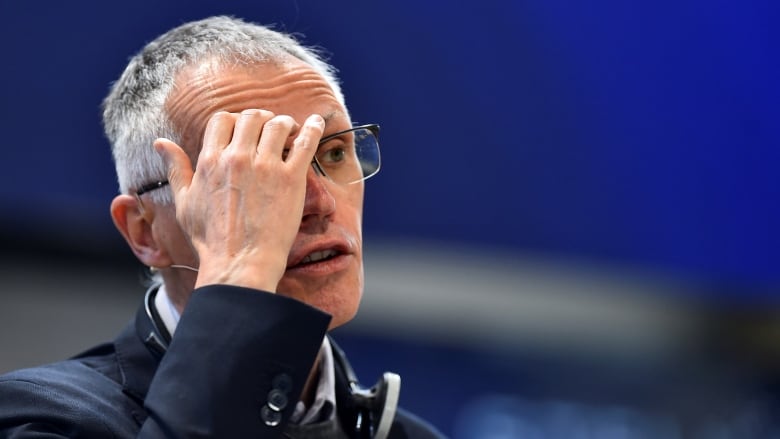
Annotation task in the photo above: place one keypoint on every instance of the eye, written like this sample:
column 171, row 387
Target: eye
column 332, row 155
column 336, row 151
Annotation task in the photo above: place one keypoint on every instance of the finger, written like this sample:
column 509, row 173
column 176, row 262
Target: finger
column 219, row 131
column 274, row 138
column 249, row 125
column 177, row 162
column 305, row 145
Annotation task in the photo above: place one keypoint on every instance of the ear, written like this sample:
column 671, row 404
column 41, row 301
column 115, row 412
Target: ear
column 134, row 221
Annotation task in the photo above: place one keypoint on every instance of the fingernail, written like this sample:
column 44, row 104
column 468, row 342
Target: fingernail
column 158, row 146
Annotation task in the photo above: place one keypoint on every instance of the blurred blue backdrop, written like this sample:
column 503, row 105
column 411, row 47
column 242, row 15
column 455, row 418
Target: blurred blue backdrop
column 633, row 134
column 639, row 132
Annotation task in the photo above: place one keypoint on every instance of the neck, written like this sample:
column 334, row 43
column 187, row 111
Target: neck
column 179, row 286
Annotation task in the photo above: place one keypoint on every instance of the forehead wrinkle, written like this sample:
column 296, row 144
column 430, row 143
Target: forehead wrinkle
column 192, row 85
column 248, row 93
column 209, row 87
column 254, row 88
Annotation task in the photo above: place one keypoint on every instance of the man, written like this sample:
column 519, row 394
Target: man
column 241, row 181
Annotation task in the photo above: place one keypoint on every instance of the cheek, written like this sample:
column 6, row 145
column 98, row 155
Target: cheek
column 172, row 238
column 351, row 205
column 343, row 301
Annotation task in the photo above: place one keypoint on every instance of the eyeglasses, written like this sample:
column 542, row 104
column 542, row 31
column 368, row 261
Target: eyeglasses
column 346, row 157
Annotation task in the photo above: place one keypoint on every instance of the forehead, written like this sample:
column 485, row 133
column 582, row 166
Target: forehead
column 291, row 87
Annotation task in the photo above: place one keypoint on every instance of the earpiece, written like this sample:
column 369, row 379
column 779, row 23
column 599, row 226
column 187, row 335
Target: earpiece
column 376, row 406
column 185, row 267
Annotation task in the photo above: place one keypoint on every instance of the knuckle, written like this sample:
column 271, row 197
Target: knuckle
column 280, row 122
column 173, row 176
column 313, row 131
column 257, row 113
column 221, row 117
column 206, row 156
column 234, row 159
column 251, row 112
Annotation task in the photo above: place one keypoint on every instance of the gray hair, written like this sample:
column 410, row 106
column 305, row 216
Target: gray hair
column 134, row 113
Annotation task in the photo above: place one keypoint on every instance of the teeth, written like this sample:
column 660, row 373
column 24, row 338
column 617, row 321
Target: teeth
column 318, row 256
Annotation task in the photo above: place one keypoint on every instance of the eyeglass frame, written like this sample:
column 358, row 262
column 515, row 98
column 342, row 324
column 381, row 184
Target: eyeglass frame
column 373, row 128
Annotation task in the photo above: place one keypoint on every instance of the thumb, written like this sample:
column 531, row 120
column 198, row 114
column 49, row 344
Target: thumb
column 177, row 162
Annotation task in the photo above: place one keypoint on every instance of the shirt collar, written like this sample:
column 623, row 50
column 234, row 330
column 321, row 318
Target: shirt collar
column 324, row 406
column 166, row 310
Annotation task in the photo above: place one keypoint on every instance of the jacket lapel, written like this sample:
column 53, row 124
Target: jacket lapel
column 137, row 362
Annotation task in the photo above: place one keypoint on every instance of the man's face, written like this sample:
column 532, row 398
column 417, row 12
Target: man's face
column 332, row 212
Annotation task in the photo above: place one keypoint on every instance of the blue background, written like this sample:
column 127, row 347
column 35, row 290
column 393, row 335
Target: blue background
column 638, row 133
column 641, row 135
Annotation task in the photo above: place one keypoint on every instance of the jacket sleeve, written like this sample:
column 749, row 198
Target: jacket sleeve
column 235, row 367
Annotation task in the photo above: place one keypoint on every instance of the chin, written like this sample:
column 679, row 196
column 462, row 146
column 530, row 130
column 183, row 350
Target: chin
column 340, row 303
column 342, row 307
column 342, row 315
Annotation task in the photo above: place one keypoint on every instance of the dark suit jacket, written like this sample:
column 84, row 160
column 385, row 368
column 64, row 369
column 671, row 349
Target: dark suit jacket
column 237, row 353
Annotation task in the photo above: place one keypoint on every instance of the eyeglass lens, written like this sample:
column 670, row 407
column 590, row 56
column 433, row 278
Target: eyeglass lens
column 350, row 156
column 346, row 157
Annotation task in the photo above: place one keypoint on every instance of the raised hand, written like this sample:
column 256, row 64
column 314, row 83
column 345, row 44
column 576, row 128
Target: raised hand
column 241, row 208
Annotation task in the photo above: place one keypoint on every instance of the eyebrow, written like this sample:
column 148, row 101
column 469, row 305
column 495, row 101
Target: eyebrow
column 328, row 117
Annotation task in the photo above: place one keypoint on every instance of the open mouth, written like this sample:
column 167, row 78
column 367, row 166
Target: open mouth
column 325, row 256
column 319, row 256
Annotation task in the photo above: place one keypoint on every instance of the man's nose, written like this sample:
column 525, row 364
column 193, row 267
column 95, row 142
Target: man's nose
column 319, row 202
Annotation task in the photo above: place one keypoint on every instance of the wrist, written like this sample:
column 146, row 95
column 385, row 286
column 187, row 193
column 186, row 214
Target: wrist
column 242, row 272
